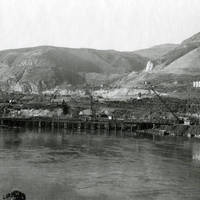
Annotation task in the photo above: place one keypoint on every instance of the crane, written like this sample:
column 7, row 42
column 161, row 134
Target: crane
column 151, row 87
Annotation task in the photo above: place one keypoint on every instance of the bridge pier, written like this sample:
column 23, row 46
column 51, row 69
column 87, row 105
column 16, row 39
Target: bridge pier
column 92, row 126
column 121, row 134
column 117, row 127
column 1, row 122
column 39, row 124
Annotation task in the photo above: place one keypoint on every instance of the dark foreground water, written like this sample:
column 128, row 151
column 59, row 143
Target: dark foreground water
column 58, row 166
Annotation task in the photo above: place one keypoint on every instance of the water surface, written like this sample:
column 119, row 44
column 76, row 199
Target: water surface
column 61, row 165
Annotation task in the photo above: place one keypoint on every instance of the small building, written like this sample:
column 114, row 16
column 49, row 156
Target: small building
column 186, row 121
column 61, row 99
column 86, row 112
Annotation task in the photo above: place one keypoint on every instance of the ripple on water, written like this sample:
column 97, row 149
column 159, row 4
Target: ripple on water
column 60, row 166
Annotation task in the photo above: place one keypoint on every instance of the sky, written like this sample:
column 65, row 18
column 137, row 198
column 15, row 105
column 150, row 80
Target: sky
column 123, row 25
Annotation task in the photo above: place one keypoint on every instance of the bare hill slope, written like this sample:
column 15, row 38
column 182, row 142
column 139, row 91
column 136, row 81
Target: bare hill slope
column 173, row 72
column 47, row 67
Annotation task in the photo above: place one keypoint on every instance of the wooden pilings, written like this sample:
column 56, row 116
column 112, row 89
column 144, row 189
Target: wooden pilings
column 118, row 128
column 39, row 124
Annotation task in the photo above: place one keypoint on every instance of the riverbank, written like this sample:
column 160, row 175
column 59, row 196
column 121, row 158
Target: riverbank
column 179, row 130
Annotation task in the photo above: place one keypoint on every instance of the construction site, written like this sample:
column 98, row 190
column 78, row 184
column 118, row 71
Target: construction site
column 155, row 114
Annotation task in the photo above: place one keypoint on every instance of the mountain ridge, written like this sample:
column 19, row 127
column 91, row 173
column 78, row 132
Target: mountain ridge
column 52, row 66
column 173, row 72
column 46, row 67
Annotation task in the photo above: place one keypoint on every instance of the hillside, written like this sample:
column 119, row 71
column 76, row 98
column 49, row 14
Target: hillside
column 170, row 67
column 46, row 67
column 156, row 52
column 172, row 73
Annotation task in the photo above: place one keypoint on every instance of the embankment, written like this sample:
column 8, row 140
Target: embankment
column 182, row 130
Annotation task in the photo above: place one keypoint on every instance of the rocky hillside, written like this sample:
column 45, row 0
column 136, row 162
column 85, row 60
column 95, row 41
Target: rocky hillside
column 46, row 67
column 170, row 67
column 173, row 72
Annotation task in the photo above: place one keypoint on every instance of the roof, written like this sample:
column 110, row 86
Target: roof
column 86, row 112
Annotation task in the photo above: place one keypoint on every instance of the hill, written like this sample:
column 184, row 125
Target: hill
column 46, row 67
column 170, row 67
column 156, row 52
column 172, row 73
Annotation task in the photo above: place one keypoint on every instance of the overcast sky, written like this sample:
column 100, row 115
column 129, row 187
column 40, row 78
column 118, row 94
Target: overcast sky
column 103, row 24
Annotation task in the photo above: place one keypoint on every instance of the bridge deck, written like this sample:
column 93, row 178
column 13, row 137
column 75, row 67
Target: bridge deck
column 79, row 124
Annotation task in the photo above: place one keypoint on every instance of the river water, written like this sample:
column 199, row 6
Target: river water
column 58, row 165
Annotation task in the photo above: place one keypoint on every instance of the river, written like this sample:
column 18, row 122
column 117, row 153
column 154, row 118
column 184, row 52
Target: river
column 58, row 165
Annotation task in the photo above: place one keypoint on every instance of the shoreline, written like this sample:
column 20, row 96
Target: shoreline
column 129, row 128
